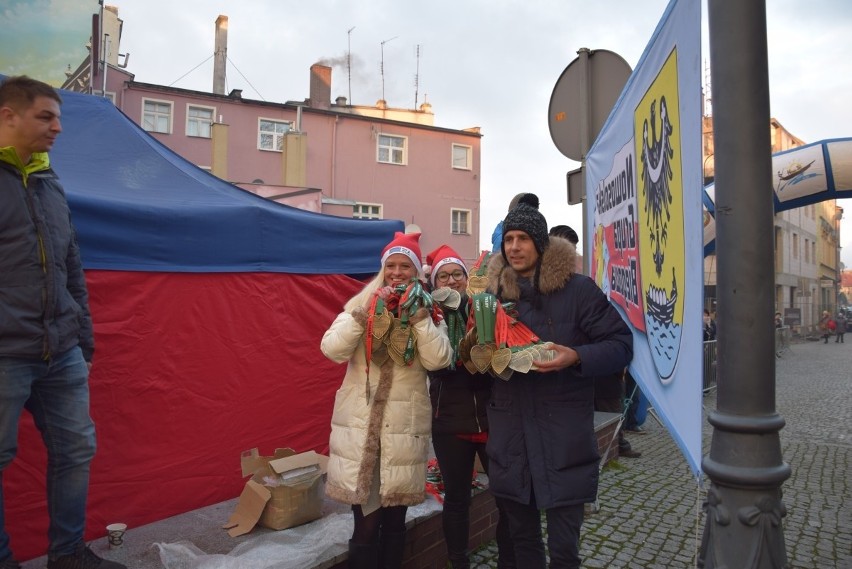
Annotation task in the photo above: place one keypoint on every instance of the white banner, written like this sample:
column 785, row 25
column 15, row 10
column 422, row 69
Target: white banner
column 644, row 192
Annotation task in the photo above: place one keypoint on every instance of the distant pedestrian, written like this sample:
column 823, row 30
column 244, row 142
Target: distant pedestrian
column 826, row 325
column 779, row 322
column 840, row 328
column 709, row 327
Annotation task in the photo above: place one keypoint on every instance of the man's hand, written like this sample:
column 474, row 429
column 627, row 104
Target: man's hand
column 563, row 357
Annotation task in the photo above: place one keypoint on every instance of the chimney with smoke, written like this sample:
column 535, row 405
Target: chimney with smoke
column 320, row 86
column 220, row 55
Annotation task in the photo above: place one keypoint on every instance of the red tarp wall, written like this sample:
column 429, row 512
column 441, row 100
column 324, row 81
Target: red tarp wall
column 189, row 371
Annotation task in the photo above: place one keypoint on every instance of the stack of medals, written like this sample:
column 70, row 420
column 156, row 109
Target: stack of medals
column 389, row 335
column 449, row 301
column 495, row 341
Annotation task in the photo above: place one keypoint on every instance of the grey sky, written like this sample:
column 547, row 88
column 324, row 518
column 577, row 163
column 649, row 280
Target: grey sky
column 491, row 64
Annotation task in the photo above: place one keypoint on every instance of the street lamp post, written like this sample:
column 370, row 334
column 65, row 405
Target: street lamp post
column 743, row 509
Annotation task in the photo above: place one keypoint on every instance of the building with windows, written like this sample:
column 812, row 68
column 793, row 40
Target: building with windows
column 806, row 247
column 316, row 154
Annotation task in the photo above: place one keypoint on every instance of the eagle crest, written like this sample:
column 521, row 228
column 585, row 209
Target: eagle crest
column 656, row 175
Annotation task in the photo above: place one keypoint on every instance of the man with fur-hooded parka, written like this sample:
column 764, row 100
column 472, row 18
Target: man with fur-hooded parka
column 542, row 448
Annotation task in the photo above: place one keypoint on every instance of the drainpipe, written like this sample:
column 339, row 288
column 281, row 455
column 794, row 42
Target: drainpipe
column 334, row 154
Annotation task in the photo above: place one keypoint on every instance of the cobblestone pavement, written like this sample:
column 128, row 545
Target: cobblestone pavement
column 650, row 507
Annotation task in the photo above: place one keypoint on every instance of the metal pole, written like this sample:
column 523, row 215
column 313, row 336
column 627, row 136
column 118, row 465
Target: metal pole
column 585, row 143
column 743, row 509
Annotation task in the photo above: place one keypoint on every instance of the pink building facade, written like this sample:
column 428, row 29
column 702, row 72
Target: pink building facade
column 333, row 158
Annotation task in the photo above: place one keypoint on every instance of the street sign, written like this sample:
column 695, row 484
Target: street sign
column 586, row 90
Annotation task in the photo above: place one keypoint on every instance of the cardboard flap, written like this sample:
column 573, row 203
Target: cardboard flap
column 250, row 461
column 249, row 509
column 301, row 460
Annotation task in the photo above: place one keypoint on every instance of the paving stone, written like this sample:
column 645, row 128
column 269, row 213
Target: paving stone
column 650, row 514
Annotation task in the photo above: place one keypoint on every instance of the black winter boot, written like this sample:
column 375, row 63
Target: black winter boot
column 392, row 550
column 363, row 555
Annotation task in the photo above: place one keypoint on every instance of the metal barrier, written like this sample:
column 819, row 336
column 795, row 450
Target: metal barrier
column 709, row 382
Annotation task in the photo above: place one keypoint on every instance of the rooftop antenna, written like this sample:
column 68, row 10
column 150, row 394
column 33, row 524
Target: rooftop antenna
column 417, row 78
column 382, row 66
column 349, row 61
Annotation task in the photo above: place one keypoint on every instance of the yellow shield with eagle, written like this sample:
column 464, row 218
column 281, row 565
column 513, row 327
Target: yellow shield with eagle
column 656, row 124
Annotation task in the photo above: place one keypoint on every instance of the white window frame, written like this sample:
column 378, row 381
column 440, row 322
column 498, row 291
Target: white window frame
column 278, row 137
column 454, row 223
column 356, row 214
column 189, row 119
column 157, row 113
column 392, row 150
column 468, row 159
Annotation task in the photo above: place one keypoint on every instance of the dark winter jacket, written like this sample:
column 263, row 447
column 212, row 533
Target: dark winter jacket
column 44, row 308
column 541, row 434
column 459, row 400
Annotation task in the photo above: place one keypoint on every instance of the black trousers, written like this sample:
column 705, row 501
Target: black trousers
column 456, row 459
column 563, row 534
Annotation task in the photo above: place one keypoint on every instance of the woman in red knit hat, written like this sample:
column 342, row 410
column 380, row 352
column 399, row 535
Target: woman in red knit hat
column 382, row 417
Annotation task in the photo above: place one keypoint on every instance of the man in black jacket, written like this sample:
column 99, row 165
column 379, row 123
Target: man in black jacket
column 541, row 447
column 46, row 341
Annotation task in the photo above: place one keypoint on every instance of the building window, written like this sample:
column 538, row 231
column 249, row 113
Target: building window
column 795, row 246
column 157, row 116
column 462, row 157
column 199, row 121
column 391, row 149
column 807, row 250
column 460, row 221
column 271, row 134
column 367, row 211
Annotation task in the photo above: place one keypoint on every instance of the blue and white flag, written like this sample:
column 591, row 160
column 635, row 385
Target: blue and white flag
column 644, row 191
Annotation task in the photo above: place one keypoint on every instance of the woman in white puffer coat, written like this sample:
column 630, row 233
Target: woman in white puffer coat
column 381, row 425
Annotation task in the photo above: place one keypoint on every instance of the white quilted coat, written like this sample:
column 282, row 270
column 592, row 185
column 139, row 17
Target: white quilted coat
column 396, row 418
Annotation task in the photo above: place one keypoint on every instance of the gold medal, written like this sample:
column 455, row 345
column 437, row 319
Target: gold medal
column 481, row 355
column 506, row 374
column 380, row 354
column 500, row 360
column 381, row 324
column 398, row 359
column 476, row 284
column 399, row 338
column 468, row 365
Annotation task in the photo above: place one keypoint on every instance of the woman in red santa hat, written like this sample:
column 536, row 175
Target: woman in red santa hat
column 381, row 422
column 459, row 419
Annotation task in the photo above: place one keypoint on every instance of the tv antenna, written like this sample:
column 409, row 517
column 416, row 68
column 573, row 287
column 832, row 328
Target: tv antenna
column 417, row 78
column 382, row 66
column 349, row 61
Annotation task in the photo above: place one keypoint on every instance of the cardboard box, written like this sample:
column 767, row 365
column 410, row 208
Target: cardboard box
column 285, row 490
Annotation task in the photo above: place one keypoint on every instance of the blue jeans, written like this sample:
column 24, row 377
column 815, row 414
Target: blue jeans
column 56, row 393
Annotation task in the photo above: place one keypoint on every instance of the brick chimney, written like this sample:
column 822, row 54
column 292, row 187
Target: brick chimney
column 220, row 55
column 320, row 86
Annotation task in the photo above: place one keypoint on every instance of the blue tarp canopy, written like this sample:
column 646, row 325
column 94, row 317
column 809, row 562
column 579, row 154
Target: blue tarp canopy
column 138, row 206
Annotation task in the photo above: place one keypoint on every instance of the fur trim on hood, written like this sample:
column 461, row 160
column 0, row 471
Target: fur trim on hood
column 557, row 268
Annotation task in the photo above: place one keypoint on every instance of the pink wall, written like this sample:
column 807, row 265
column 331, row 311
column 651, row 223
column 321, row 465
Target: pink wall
column 341, row 159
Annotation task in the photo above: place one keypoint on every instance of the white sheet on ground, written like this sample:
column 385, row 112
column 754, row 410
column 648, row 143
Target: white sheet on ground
column 295, row 548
